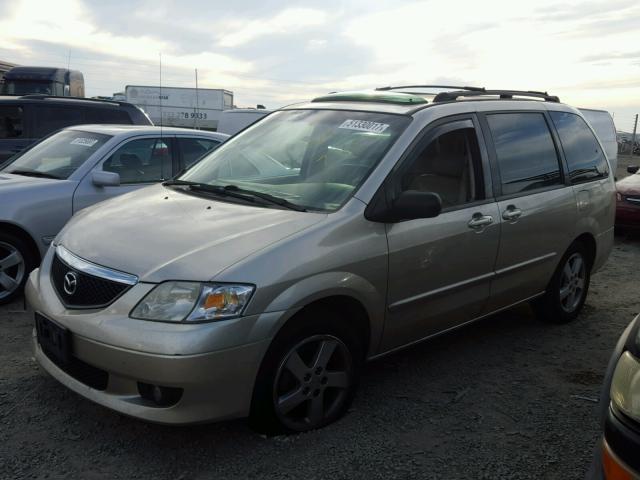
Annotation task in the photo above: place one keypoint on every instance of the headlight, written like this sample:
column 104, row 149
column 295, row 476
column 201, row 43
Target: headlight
column 618, row 196
column 192, row 302
column 625, row 386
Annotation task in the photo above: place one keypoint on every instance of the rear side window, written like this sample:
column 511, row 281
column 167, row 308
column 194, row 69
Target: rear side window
column 194, row 148
column 583, row 153
column 11, row 122
column 526, row 154
column 50, row 118
column 107, row 115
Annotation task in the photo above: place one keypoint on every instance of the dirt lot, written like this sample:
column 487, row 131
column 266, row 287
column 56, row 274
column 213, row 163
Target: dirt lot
column 508, row 397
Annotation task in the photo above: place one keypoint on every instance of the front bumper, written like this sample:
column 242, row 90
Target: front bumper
column 215, row 385
column 627, row 215
column 621, row 446
column 214, row 364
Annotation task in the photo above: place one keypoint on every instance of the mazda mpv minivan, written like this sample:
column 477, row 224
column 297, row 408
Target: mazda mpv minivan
column 225, row 293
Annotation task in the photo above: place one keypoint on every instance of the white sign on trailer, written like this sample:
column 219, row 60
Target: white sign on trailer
column 181, row 107
column 183, row 116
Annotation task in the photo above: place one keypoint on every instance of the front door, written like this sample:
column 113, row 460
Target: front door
column 139, row 163
column 440, row 269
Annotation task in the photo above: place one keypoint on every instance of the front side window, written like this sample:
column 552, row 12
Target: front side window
column 526, row 154
column 11, row 123
column 583, row 153
column 145, row 160
column 59, row 155
column 448, row 166
column 313, row 158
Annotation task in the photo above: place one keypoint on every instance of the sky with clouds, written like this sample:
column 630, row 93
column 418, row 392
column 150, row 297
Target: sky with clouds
column 277, row 52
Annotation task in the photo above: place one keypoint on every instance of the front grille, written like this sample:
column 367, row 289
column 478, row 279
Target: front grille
column 634, row 199
column 89, row 292
column 83, row 372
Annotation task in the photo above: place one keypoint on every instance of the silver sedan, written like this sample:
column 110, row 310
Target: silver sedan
column 41, row 188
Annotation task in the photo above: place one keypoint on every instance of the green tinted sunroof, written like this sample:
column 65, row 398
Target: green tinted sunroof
column 373, row 96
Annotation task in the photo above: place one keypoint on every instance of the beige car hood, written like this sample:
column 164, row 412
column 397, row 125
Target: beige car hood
column 158, row 233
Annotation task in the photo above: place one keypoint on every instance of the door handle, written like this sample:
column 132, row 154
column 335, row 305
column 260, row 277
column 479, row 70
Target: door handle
column 479, row 221
column 512, row 213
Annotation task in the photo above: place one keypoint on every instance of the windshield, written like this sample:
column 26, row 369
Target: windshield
column 25, row 87
column 312, row 158
column 59, row 155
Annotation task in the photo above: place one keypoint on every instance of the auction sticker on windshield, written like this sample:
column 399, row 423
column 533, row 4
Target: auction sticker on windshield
column 364, row 126
column 85, row 142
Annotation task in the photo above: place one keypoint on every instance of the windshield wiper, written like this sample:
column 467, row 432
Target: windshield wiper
column 266, row 197
column 237, row 192
column 35, row 173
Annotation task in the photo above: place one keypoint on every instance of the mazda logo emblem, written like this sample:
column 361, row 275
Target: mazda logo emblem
column 70, row 283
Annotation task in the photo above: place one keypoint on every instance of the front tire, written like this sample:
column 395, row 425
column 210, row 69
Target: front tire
column 309, row 375
column 16, row 262
column 567, row 290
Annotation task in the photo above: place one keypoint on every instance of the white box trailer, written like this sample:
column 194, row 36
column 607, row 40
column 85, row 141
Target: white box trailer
column 181, row 107
column 232, row 121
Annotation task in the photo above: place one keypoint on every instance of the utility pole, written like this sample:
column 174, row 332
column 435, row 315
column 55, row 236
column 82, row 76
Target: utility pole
column 633, row 137
column 197, row 112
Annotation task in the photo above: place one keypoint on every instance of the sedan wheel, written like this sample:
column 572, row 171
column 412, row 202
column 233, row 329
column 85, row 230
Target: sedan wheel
column 572, row 283
column 12, row 270
column 313, row 382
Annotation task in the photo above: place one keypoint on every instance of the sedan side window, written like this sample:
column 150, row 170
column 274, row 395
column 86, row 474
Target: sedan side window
column 448, row 166
column 145, row 160
column 194, row 148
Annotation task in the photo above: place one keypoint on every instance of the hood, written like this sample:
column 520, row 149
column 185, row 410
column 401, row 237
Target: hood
column 9, row 181
column 629, row 185
column 162, row 234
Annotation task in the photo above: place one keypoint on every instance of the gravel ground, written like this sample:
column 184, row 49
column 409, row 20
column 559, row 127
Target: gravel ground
column 508, row 397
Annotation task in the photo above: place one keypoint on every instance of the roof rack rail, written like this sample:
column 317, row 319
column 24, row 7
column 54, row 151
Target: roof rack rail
column 473, row 89
column 503, row 94
column 42, row 96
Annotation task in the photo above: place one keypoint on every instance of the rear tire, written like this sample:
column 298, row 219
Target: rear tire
column 309, row 375
column 568, row 288
column 16, row 262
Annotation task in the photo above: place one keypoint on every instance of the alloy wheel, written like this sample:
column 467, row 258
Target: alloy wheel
column 312, row 383
column 12, row 269
column 573, row 282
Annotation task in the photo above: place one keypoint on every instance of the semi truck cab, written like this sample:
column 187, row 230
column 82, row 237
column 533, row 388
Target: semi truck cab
column 43, row 80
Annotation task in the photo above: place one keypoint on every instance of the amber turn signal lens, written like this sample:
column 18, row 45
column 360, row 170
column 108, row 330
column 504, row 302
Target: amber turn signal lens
column 613, row 469
column 215, row 300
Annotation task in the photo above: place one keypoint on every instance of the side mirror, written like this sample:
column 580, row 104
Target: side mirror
column 633, row 169
column 413, row 204
column 410, row 205
column 105, row 179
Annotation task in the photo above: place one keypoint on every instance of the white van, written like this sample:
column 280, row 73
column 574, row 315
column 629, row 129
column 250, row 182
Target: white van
column 232, row 121
column 603, row 125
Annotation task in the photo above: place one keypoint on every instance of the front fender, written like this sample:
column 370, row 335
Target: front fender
column 331, row 284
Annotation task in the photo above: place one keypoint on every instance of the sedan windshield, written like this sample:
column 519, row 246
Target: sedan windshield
column 314, row 159
column 57, row 156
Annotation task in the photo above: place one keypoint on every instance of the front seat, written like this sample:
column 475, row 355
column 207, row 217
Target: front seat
column 444, row 172
column 131, row 170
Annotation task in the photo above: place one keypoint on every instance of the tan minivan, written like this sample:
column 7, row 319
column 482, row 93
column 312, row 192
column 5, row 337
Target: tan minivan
column 394, row 215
